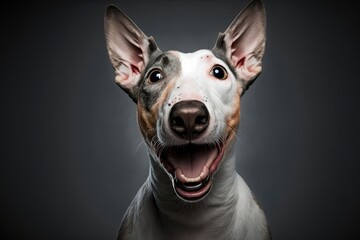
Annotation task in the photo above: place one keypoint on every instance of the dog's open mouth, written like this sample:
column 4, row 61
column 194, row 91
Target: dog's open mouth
column 192, row 166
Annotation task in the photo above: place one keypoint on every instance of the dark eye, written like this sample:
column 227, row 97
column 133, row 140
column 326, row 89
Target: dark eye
column 155, row 75
column 219, row 72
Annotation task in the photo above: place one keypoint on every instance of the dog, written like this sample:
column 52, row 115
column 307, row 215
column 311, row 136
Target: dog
column 188, row 111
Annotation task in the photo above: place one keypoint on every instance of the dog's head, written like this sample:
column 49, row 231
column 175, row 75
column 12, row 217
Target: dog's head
column 188, row 104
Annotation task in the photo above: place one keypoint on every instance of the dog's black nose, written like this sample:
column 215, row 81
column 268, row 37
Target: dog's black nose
column 188, row 119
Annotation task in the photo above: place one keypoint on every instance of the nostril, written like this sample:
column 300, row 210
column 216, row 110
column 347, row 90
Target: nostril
column 201, row 123
column 178, row 125
column 177, row 121
column 202, row 120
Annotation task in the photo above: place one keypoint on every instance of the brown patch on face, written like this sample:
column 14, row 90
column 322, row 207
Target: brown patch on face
column 147, row 119
column 232, row 122
column 147, row 122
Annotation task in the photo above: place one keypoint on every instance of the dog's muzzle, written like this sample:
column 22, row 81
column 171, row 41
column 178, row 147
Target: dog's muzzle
column 191, row 164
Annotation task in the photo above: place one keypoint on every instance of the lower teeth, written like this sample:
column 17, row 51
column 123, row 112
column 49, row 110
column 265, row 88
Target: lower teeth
column 192, row 186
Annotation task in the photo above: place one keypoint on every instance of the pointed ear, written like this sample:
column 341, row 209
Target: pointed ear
column 129, row 49
column 243, row 42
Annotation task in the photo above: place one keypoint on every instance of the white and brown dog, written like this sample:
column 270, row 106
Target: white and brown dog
column 188, row 108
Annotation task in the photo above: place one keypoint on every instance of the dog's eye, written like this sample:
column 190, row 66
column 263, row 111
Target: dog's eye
column 155, row 75
column 219, row 72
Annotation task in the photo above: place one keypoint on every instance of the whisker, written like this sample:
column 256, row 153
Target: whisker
column 232, row 130
column 139, row 145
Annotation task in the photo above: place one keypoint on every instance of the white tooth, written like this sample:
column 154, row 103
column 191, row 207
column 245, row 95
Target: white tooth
column 197, row 179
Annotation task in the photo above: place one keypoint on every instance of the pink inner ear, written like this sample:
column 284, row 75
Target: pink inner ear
column 135, row 69
column 240, row 62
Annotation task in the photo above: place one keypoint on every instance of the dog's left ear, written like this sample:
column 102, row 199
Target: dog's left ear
column 243, row 42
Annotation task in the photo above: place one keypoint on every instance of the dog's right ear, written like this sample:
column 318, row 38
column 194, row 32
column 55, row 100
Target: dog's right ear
column 129, row 49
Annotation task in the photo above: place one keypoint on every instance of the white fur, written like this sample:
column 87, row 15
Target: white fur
column 229, row 211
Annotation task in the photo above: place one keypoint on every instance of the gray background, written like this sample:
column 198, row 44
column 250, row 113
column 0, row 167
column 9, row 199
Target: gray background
column 71, row 154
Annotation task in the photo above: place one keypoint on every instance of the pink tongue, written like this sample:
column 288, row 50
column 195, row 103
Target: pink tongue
column 191, row 159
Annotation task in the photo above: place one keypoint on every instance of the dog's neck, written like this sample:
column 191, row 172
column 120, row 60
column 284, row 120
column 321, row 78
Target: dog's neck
column 219, row 202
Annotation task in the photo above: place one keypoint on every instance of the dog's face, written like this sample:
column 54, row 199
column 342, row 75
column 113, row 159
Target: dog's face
column 188, row 104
